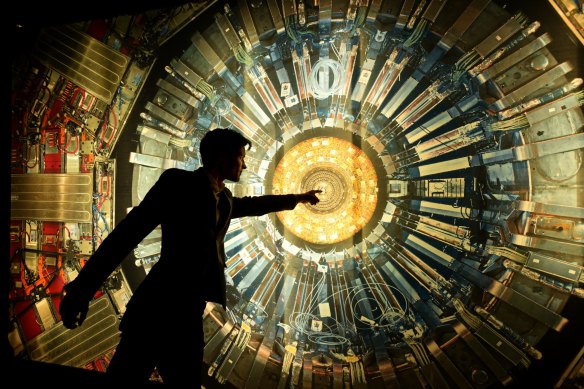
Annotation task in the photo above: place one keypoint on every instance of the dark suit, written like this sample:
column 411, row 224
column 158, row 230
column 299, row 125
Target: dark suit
column 163, row 316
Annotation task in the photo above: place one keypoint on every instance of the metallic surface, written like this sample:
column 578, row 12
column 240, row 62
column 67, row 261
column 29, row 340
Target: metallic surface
column 54, row 197
column 86, row 61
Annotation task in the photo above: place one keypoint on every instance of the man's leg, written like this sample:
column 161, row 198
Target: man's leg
column 133, row 361
column 181, row 357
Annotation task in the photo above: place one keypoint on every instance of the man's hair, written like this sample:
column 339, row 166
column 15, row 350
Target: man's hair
column 220, row 143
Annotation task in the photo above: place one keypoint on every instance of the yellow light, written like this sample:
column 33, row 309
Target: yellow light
column 348, row 182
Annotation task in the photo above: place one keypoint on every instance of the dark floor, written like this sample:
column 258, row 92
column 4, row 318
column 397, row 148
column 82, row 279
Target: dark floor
column 28, row 374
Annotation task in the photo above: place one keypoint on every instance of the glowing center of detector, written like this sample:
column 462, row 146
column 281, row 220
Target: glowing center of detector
column 349, row 189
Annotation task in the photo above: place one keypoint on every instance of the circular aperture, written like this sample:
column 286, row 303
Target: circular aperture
column 348, row 182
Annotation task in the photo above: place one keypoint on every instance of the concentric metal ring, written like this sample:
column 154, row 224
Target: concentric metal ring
column 347, row 179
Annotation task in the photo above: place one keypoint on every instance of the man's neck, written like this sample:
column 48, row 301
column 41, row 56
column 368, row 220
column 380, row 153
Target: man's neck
column 216, row 178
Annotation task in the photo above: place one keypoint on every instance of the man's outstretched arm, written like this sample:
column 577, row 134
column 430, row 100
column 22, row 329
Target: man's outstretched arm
column 260, row 205
column 309, row 197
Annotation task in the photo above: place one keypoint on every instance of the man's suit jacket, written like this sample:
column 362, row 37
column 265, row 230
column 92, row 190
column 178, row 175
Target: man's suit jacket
column 192, row 260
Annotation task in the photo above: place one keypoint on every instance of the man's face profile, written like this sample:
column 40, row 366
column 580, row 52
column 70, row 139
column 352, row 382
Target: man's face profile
column 234, row 165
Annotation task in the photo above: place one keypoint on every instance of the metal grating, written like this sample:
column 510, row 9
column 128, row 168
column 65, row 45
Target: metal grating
column 85, row 61
column 98, row 335
column 51, row 197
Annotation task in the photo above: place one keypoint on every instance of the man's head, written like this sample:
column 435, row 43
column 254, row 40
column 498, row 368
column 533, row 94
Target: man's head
column 223, row 151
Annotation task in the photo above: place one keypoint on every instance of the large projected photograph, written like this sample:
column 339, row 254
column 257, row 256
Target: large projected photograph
column 444, row 138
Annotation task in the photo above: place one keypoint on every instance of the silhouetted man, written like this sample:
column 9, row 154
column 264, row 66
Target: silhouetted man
column 162, row 325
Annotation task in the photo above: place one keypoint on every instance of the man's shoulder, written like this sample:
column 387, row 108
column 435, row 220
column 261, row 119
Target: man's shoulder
column 185, row 180
column 176, row 173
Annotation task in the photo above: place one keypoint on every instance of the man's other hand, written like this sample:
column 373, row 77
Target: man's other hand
column 73, row 310
column 309, row 197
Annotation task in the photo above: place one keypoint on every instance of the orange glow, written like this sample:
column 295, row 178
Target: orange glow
column 348, row 181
